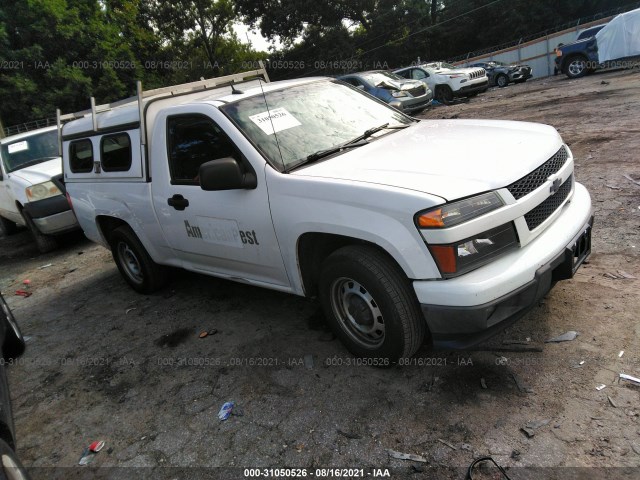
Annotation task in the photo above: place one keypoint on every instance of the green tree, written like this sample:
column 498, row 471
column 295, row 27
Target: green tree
column 189, row 24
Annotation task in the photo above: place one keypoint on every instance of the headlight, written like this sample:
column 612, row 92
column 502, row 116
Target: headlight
column 398, row 93
column 42, row 191
column 459, row 212
column 471, row 253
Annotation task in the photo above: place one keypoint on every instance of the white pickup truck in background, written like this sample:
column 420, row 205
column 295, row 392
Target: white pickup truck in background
column 31, row 190
column 406, row 230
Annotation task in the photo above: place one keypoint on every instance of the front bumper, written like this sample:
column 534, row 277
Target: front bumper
column 466, row 310
column 410, row 105
column 469, row 89
column 52, row 215
column 521, row 74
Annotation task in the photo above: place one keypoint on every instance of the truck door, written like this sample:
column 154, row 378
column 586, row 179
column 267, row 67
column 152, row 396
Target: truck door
column 227, row 233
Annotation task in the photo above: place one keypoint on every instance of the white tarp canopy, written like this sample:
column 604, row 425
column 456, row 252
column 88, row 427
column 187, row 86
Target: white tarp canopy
column 620, row 38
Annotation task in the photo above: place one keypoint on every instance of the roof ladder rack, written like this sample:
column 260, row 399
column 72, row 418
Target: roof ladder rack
column 141, row 94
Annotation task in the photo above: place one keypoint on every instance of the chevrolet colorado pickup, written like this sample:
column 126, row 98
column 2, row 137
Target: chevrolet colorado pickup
column 406, row 230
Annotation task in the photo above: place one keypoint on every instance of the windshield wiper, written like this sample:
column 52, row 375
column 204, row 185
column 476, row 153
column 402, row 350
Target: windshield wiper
column 355, row 142
column 371, row 131
column 330, row 151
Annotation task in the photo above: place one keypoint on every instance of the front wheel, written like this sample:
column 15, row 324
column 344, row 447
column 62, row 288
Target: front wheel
column 134, row 263
column 502, row 80
column 45, row 243
column 444, row 94
column 576, row 67
column 370, row 304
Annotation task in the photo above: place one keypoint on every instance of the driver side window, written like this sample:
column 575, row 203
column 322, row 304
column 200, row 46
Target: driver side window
column 191, row 141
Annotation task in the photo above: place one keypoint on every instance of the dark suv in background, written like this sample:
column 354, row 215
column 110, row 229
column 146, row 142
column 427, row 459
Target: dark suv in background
column 502, row 74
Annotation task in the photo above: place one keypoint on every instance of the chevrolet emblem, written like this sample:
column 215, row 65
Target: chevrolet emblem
column 555, row 186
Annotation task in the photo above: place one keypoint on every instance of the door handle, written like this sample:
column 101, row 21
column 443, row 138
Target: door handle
column 178, row 202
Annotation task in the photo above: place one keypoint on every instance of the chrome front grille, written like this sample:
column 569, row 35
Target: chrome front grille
column 543, row 211
column 477, row 74
column 530, row 182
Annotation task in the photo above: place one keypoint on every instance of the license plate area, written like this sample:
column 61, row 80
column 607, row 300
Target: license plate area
column 581, row 249
column 575, row 254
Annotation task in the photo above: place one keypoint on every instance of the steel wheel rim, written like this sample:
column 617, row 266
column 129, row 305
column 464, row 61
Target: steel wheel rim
column 358, row 313
column 576, row 67
column 130, row 262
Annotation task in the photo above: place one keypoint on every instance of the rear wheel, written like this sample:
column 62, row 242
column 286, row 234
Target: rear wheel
column 444, row 94
column 502, row 80
column 370, row 304
column 7, row 227
column 576, row 66
column 134, row 263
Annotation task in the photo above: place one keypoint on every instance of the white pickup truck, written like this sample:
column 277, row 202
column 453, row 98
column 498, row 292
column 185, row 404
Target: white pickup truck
column 404, row 229
column 31, row 190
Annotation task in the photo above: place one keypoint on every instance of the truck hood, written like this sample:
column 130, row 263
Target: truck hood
column 42, row 172
column 448, row 158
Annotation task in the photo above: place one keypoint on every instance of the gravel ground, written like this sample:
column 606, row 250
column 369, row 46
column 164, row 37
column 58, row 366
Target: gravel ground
column 105, row 363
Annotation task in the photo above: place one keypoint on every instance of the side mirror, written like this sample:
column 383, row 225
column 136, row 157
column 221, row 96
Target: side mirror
column 225, row 174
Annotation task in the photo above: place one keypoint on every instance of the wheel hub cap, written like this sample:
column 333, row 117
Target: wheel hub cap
column 130, row 262
column 358, row 312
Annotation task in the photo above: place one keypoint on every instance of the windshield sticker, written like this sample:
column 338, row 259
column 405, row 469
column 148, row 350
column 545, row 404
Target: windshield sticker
column 280, row 118
column 18, row 147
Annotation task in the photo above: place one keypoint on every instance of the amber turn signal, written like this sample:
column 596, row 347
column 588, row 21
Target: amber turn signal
column 445, row 257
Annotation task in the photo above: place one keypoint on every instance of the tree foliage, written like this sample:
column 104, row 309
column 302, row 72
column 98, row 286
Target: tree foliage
column 58, row 53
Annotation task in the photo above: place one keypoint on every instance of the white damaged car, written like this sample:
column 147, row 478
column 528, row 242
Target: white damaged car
column 447, row 81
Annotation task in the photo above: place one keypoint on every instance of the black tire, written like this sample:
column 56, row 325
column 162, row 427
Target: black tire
column 502, row 80
column 576, row 66
column 45, row 243
column 444, row 94
column 14, row 344
column 135, row 265
column 7, row 227
column 370, row 304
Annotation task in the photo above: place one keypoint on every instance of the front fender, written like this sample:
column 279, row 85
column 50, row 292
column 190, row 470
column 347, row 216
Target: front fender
column 377, row 214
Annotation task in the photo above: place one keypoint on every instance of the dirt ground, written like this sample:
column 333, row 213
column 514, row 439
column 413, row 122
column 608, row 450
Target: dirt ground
column 105, row 363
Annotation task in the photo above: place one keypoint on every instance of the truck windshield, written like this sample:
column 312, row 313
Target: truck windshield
column 30, row 150
column 309, row 118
